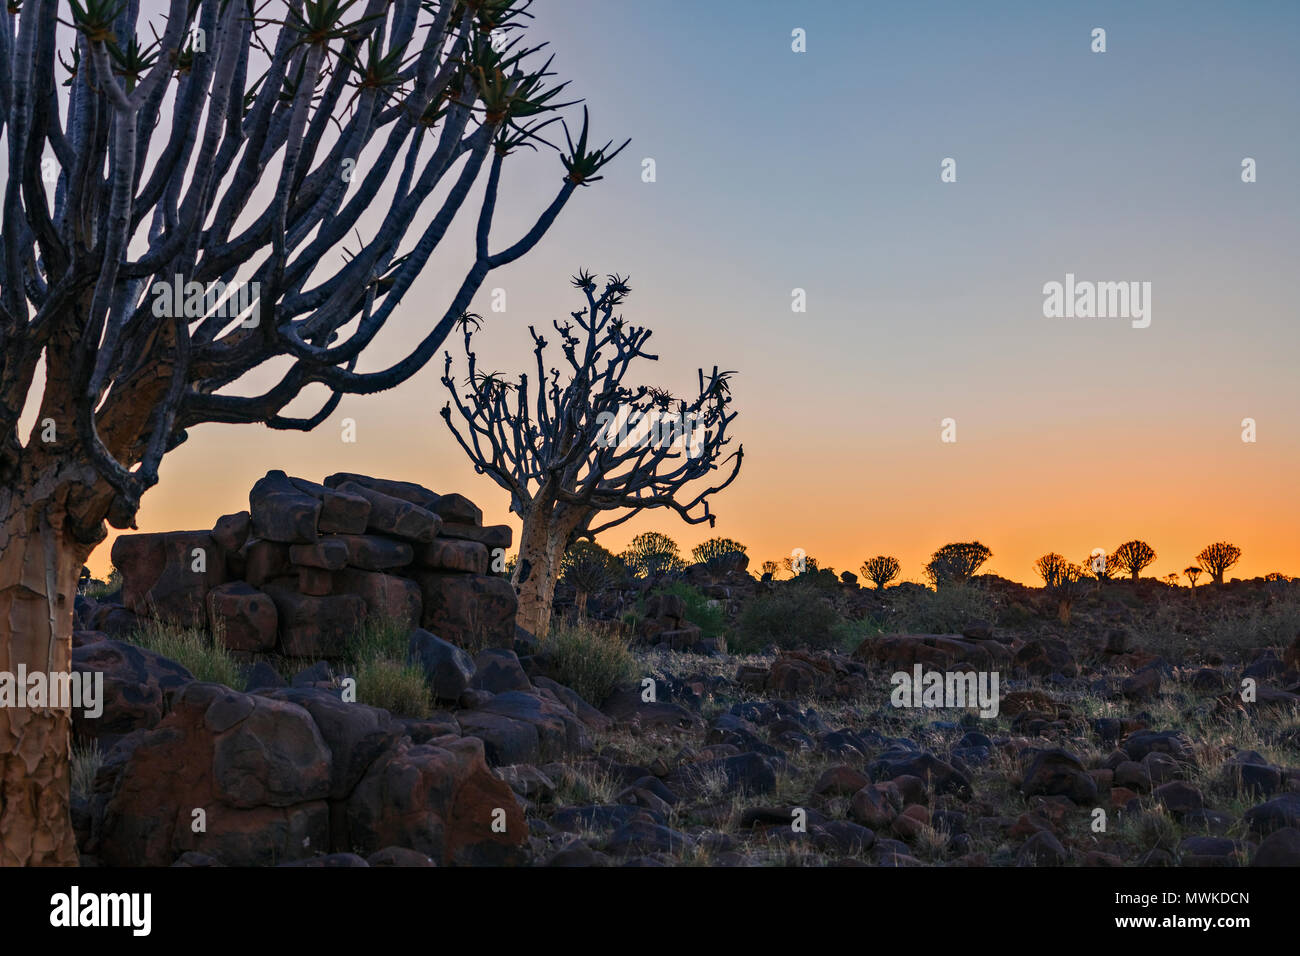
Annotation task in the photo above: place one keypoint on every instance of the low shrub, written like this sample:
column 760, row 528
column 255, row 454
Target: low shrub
column 203, row 656
column 792, row 614
column 589, row 659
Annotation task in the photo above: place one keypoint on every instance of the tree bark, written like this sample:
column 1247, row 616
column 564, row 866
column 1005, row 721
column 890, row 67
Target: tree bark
column 40, row 561
column 545, row 537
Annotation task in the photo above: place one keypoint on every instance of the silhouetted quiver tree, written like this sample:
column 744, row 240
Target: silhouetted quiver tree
column 880, row 570
column 575, row 447
column 173, row 222
column 1217, row 558
column 1063, row 580
column 712, row 548
column 956, row 563
column 1133, row 556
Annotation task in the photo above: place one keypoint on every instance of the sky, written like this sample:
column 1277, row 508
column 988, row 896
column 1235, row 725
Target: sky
column 778, row 170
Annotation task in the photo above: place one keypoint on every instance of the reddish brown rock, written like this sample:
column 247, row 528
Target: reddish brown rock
column 265, row 561
column 328, row 553
column 257, row 768
column 340, row 512
column 470, row 610
column 243, row 616
column 315, row 581
column 386, row 595
column 169, row 575
column 459, row 509
column 389, row 515
column 316, row 626
column 282, row 512
column 439, row 799
column 372, row 553
column 454, row 554
column 492, row 537
column 406, row 490
column 231, row 531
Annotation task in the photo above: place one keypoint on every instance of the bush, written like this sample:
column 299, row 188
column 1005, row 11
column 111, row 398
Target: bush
column 590, row 660
column 944, row 611
column 396, row 687
column 1272, row 625
column 86, row 761
column 98, row 590
column 794, row 613
column 705, row 614
column 204, row 657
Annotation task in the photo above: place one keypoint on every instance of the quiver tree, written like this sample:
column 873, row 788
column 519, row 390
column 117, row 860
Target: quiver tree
column 1100, row 566
column 1217, row 558
column 706, row 551
column 1063, row 580
column 956, row 563
column 173, row 220
column 582, row 452
column 880, row 570
column 652, row 553
column 1192, row 574
column 1133, row 556
column 589, row 569
column 770, row 568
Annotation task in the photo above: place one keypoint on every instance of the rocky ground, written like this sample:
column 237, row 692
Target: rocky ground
column 1099, row 756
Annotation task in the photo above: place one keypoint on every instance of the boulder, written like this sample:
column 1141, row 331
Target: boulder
column 282, row 512
column 386, row 595
column 265, row 561
column 470, row 610
column 316, row 626
column 331, row 554
column 138, row 686
column 493, row 536
column 169, row 575
column 244, row 617
column 340, row 512
column 438, row 799
column 458, row 508
column 395, row 516
column 453, row 554
column 406, row 490
column 257, row 768
column 447, row 669
column 231, row 531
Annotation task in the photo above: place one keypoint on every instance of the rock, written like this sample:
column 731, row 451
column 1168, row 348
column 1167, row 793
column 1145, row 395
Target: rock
column 841, row 780
column 1059, row 772
column 589, row 715
column 1042, row 849
column 493, row 537
column 943, row 777
column 281, row 512
column 244, row 617
column 389, row 515
column 1179, row 798
column 328, row 553
column 316, row 582
column 399, row 856
column 452, row 554
column 355, row 733
column 497, row 670
column 457, row 508
column 876, row 805
column 527, row 781
column 1046, row 656
column 317, row 626
column 1134, row 776
column 406, row 490
column 1279, row 848
column 169, row 575
column 257, row 767
column 138, row 687
column 1144, row 685
column 1275, row 814
column 386, row 596
column 340, row 512
column 439, row 800
column 749, row 773
column 447, row 668
column 372, row 553
column 518, row 727
column 262, row 676
column 472, row 611
column 231, row 531
column 638, row 836
column 1209, row 851
column 1171, row 742
column 265, row 561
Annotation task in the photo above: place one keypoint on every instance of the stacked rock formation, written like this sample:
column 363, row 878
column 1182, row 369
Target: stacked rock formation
column 308, row 564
